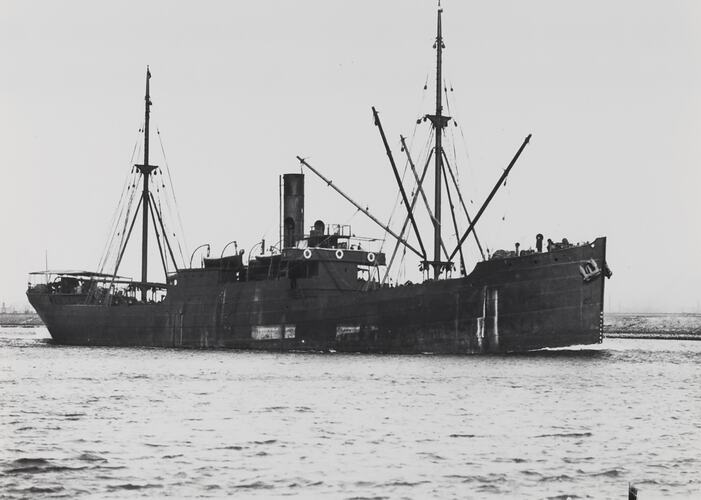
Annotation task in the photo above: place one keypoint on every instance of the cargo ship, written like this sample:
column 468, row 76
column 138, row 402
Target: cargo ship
column 326, row 289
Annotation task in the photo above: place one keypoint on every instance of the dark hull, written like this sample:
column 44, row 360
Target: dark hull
column 505, row 305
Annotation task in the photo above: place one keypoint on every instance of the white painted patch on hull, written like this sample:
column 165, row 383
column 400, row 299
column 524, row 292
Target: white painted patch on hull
column 290, row 331
column 272, row 332
column 345, row 330
column 266, row 332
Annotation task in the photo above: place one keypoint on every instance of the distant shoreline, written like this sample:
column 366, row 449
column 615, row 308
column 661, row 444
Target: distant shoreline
column 673, row 326
column 20, row 320
column 650, row 335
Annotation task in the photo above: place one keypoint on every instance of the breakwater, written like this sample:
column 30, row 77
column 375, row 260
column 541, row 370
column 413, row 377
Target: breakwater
column 20, row 319
column 679, row 326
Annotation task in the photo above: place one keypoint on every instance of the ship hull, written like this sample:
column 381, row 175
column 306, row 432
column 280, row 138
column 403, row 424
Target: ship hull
column 505, row 305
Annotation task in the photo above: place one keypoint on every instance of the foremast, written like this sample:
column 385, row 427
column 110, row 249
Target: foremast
column 148, row 204
column 145, row 170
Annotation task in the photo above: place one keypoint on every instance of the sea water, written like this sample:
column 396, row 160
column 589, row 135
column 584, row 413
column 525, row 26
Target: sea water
column 86, row 422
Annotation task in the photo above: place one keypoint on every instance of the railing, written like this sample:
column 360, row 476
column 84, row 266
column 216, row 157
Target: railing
column 94, row 288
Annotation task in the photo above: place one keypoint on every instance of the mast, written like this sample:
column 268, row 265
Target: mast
column 439, row 122
column 438, row 155
column 145, row 170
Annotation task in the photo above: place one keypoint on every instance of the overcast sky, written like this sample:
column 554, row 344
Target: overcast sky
column 611, row 92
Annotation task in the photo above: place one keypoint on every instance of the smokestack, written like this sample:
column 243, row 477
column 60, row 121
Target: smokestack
column 293, row 209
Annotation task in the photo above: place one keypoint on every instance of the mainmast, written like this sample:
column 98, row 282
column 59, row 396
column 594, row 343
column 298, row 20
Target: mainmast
column 145, row 170
column 439, row 123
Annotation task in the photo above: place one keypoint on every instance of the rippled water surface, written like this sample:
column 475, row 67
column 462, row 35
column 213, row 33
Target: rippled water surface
column 579, row 423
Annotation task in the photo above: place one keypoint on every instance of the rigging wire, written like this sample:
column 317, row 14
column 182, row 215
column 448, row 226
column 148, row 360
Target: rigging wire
column 474, row 172
column 411, row 140
column 406, row 162
column 424, row 154
column 175, row 200
column 166, row 223
column 133, row 186
column 452, row 139
column 161, row 250
column 123, row 240
column 116, row 212
column 119, row 210
column 125, row 211
column 465, row 146
column 159, row 197
column 393, row 211
column 115, row 230
column 455, row 163
column 113, row 223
